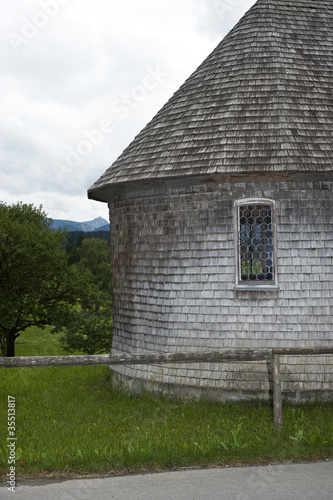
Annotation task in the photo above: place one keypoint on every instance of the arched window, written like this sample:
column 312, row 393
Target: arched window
column 255, row 242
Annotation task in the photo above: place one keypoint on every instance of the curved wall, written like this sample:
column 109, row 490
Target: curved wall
column 173, row 273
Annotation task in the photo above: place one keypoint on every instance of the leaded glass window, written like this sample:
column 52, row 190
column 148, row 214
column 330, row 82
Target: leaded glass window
column 255, row 240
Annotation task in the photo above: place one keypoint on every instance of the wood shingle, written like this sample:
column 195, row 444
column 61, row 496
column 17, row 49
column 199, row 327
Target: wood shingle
column 261, row 102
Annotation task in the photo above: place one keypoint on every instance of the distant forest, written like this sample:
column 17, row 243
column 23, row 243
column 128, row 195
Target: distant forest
column 75, row 238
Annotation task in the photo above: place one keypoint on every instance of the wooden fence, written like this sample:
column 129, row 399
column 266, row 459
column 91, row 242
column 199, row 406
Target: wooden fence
column 223, row 356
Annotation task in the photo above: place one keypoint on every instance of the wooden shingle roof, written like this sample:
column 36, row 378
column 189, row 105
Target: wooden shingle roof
column 262, row 102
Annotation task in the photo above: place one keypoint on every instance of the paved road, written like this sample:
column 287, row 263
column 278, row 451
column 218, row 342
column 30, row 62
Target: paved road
column 276, row 482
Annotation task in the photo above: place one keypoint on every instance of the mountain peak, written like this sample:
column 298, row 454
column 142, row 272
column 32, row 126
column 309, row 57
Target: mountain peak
column 93, row 225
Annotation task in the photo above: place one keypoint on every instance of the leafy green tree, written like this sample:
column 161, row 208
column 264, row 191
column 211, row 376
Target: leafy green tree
column 94, row 254
column 37, row 285
column 88, row 328
column 70, row 249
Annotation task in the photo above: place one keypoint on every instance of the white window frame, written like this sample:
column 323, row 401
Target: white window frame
column 271, row 285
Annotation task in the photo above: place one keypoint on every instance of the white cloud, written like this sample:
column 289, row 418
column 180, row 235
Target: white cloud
column 77, row 84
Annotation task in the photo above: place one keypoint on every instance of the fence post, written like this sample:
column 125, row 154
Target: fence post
column 277, row 396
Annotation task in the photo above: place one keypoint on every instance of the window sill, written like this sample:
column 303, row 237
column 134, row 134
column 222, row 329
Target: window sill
column 256, row 288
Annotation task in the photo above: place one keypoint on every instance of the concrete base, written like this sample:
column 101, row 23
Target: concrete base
column 223, row 395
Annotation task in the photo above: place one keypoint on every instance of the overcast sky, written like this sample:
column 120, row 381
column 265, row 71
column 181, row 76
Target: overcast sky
column 79, row 79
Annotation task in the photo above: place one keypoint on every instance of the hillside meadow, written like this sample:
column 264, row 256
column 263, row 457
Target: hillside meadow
column 70, row 421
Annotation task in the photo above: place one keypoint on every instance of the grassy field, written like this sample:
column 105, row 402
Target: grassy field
column 70, row 421
column 37, row 342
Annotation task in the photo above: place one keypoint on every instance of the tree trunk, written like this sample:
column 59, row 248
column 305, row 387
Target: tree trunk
column 8, row 344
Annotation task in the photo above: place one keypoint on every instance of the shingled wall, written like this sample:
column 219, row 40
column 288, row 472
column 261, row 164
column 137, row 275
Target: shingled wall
column 173, row 265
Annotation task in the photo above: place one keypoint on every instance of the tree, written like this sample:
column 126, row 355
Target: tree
column 88, row 328
column 94, row 254
column 37, row 285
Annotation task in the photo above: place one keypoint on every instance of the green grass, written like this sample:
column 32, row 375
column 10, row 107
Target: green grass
column 37, row 342
column 69, row 420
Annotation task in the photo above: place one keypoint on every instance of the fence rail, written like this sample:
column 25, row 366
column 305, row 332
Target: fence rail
column 223, row 356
